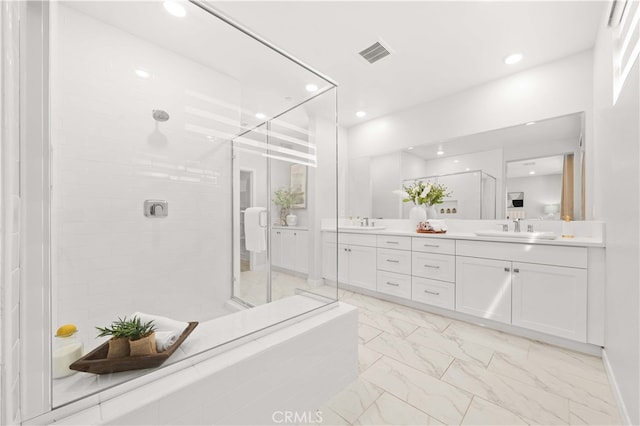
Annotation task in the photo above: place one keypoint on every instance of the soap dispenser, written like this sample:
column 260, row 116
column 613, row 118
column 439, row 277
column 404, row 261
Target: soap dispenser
column 567, row 227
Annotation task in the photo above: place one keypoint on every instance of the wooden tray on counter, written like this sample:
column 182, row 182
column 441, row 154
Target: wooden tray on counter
column 420, row 231
column 96, row 361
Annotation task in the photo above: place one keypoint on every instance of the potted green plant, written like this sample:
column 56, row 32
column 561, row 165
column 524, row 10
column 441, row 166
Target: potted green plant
column 424, row 194
column 129, row 337
column 283, row 198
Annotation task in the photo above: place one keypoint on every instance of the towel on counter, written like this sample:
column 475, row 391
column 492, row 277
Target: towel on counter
column 255, row 236
column 437, row 225
column 167, row 329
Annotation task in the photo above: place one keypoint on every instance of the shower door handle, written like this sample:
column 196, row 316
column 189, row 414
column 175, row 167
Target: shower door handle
column 263, row 219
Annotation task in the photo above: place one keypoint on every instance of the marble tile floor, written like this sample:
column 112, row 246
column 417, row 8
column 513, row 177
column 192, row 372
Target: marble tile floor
column 253, row 288
column 418, row 368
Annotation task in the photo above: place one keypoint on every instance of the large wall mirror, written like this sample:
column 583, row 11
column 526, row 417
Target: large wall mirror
column 542, row 161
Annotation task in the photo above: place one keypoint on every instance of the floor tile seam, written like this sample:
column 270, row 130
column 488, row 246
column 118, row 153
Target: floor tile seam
column 508, row 409
column 336, row 413
column 615, row 409
column 372, row 402
column 410, row 320
column 449, row 354
column 414, row 367
column 547, row 389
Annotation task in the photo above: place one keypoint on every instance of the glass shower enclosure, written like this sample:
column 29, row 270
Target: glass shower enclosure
column 172, row 129
column 473, row 195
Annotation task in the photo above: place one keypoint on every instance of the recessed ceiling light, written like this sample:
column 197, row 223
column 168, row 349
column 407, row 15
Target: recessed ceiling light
column 360, row 114
column 311, row 87
column 410, row 148
column 514, row 58
column 142, row 73
column 531, row 123
column 260, row 115
column 440, row 152
column 467, row 169
column 175, row 8
column 532, row 172
column 456, row 161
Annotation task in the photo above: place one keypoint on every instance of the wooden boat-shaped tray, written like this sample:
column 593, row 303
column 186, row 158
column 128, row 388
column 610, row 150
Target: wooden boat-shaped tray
column 96, row 361
column 422, row 231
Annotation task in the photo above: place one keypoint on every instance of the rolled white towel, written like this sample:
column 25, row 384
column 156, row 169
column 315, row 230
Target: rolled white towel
column 164, row 339
column 162, row 323
column 167, row 329
column 437, row 225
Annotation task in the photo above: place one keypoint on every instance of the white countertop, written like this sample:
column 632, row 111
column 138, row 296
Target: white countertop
column 577, row 241
column 296, row 228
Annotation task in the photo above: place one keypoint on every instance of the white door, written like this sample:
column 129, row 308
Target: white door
column 483, row 288
column 288, row 259
column 302, row 251
column 276, row 247
column 329, row 260
column 550, row 299
column 343, row 263
column 362, row 266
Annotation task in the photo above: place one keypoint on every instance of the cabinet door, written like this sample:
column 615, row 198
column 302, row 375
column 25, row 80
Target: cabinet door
column 550, row 299
column 301, row 251
column 362, row 266
column 276, row 248
column 288, row 250
column 329, row 260
column 483, row 288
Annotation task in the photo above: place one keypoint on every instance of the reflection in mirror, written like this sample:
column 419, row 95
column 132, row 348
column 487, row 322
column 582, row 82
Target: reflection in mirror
column 373, row 179
column 535, row 188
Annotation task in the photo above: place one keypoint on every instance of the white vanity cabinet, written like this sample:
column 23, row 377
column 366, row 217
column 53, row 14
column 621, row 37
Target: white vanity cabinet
column 483, row 288
column 289, row 249
column 541, row 288
column 550, row 299
column 356, row 259
column 394, row 265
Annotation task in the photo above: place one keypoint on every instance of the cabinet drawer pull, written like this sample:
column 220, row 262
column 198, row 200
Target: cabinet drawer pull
column 393, row 284
column 516, row 270
column 393, row 261
column 432, row 245
column 507, row 270
column 435, row 293
column 393, row 242
column 432, row 266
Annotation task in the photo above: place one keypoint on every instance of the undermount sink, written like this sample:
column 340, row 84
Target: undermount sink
column 361, row 228
column 524, row 235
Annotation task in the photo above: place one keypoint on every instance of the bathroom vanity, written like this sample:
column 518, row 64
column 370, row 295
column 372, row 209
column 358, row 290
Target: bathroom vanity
column 553, row 288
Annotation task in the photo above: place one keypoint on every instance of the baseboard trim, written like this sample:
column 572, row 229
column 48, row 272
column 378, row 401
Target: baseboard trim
column 624, row 414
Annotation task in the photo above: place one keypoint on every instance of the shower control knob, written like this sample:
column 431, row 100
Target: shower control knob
column 156, row 208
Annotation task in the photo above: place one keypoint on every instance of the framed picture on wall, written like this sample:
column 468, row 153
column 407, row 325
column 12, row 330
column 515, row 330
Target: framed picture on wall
column 298, row 186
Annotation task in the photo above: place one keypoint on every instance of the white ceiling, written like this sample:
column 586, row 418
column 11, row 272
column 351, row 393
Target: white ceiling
column 539, row 167
column 438, row 47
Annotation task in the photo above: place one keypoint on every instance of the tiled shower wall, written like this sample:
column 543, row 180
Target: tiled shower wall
column 109, row 156
column 10, row 217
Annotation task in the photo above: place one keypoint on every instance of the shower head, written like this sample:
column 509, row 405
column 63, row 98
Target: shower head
column 160, row 115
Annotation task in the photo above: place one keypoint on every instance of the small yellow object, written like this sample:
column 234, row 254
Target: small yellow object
column 66, row 330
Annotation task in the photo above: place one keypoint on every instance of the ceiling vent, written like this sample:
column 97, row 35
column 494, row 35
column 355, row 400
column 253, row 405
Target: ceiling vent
column 375, row 52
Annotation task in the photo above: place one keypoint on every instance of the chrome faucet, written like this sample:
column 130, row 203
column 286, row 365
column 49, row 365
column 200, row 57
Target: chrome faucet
column 364, row 221
column 517, row 225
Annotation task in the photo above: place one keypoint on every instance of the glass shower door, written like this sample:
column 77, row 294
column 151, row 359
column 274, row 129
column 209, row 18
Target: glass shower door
column 251, row 217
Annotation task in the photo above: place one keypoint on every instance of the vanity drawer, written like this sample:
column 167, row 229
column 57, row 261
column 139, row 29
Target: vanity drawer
column 394, row 284
column 393, row 242
column 434, row 266
column 433, row 292
column 394, row 261
column 433, row 245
